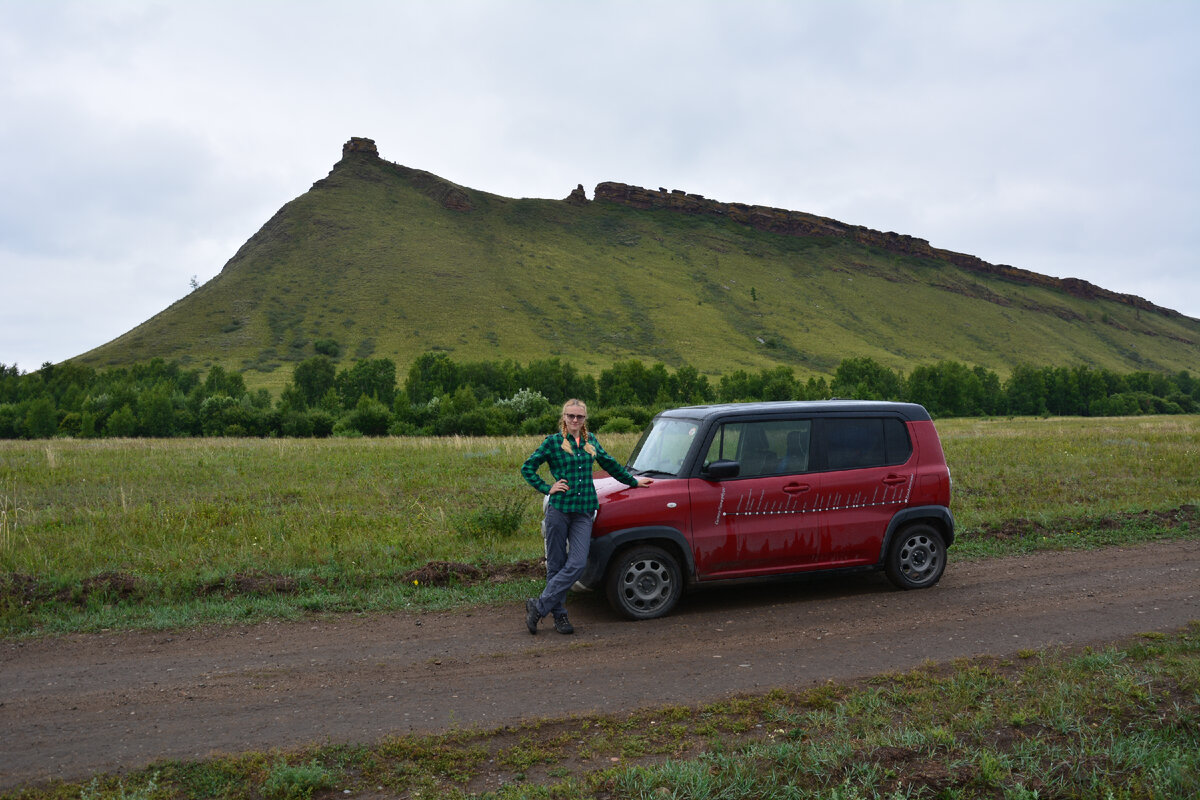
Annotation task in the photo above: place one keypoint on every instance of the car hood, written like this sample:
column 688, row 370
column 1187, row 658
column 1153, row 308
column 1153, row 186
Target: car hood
column 621, row 506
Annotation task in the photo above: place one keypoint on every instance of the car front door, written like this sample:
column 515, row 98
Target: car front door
column 766, row 519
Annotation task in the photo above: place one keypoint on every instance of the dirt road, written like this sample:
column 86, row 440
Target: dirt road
column 73, row 706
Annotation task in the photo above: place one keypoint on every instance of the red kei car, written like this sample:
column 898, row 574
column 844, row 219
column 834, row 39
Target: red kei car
column 748, row 490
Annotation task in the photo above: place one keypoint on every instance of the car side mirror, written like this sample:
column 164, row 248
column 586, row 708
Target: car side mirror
column 720, row 470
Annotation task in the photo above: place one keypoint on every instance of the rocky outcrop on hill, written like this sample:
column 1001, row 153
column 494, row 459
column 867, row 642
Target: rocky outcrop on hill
column 577, row 197
column 357, row 144
column 452, row 197
column 797, row 223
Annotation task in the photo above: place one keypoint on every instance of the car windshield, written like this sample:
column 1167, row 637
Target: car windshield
column 664, row 447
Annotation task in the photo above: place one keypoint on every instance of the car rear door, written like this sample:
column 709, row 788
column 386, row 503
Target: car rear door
column 867, row 476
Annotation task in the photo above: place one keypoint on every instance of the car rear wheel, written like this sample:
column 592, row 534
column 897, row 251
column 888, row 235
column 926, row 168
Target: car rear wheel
column 644, row 582
column 916, row 558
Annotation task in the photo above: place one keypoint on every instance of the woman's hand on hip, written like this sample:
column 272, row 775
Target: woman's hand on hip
column 560, row 485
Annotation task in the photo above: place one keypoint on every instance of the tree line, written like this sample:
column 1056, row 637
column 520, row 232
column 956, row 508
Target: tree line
column 440, row 396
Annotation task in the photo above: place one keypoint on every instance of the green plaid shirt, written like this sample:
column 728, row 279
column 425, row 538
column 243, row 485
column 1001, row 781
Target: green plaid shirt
column 576, row 469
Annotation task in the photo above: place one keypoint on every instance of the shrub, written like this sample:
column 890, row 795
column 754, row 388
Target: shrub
column 71, row 425
column 370, row 417
column 296, row 423
column 639, row 416
column 322, row 422
column 501, row 519
column 296, row 782
column 620, row 425
column 541, row 426
column 526, row 403
column 327, row 347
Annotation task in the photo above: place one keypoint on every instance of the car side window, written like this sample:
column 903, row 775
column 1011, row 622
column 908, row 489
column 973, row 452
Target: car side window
column 724, row 445
column 865, row 442
column 796, row 438
column 763, row 447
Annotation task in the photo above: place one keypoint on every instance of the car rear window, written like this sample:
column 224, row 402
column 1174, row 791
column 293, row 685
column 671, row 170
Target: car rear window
column 865, row 442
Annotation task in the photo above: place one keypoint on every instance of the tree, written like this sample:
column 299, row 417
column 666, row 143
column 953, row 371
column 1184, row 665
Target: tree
column 10, row 421
column 866, row 379
column 949, row 389
column 10, row 383
column 779, row 384
column 221, row 382
column 41, row 419
column 370, row 417
column 491, row 379
column 688, row 386
column 156, row 411
column 630, row 382
column 218, row 414
column 121, row 423
column 367, row 378
column 313, row 378
column 736, row 386
column 989, row 397
column 558, row 382
column 430, row 376
column 1025, row 391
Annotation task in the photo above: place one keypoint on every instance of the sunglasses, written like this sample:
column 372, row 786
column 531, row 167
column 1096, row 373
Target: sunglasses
column 575, row 416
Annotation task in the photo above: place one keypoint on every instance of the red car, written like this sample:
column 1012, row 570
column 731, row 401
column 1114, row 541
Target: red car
column 748, row 490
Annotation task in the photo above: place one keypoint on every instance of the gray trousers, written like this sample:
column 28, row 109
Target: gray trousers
column 568, row 536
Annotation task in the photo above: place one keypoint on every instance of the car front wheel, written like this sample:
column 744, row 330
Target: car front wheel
column 916, row 558
column 644, row 582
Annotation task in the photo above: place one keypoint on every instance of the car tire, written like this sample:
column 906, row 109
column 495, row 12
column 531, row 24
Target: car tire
column 644, row 582
column 916, row 558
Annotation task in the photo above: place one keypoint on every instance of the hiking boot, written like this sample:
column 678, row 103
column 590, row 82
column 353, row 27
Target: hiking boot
column 562, row 624
column 532, row 617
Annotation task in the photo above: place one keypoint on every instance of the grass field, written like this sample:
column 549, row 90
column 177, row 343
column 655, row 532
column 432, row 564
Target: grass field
column 195, row 530
column 133, row 533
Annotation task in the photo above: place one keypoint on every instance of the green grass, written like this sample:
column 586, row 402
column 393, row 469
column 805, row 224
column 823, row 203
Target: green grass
column 167, row 533
column 1065, row 482
column 173, row 532
column 1118, row 722
column 368, row 260
column 284, row 528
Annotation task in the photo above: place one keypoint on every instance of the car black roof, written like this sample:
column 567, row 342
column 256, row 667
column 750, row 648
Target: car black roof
column 911, row 412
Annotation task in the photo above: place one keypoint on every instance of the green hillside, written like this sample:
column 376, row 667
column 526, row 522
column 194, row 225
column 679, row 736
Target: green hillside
column 388, row 261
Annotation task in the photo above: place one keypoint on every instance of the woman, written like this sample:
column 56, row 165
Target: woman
column 570, row 509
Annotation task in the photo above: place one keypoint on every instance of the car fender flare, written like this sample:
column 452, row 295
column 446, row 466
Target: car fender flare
column 939, row 516
column 602, row 549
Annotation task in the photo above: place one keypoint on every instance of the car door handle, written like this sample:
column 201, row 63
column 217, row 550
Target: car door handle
column 796, row 488
column 895, row 480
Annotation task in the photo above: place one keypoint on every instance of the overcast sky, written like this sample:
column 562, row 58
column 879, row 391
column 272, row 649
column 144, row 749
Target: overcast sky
column 141, row 143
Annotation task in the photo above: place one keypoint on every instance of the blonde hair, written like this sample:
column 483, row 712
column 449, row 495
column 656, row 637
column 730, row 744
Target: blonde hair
column 583, row 433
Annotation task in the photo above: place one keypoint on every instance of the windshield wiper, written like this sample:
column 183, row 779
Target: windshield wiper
column 656, row 473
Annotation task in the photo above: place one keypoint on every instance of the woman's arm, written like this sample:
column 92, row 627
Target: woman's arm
column 529, row 470
column 614, row 467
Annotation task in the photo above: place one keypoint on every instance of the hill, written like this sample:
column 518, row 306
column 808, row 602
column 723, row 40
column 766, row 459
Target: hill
column 381, row 260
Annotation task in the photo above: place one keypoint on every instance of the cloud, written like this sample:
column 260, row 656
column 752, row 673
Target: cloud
column 143, row 141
